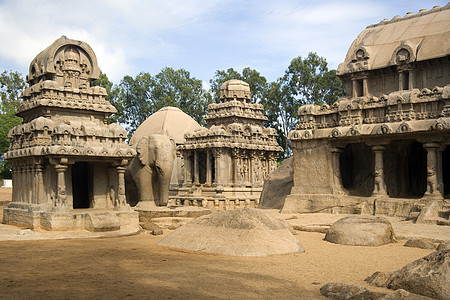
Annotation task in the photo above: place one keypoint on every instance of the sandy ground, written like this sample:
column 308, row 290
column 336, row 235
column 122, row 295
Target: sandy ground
column 135, row 267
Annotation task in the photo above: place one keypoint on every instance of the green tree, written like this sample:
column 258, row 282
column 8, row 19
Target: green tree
column 11, row 85
column 139, row 97
column 306, row 81
column 311, row 82
column 257, row 82
column 111, row 90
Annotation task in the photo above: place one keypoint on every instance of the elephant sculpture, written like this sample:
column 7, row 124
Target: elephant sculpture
column 148, row 175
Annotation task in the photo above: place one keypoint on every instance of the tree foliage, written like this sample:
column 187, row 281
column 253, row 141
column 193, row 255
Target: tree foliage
column 306, row 81
column 257, row 82
column 11, row 85
column 139, row 97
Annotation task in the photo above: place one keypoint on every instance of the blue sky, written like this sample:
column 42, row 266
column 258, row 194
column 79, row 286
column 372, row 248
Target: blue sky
column 201, row 36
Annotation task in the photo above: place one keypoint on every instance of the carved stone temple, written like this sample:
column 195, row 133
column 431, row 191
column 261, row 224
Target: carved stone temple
column 385, row 147
column 68, row 164
column 226, row 163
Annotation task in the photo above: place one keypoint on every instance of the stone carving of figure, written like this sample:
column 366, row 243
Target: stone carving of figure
column 431, row 181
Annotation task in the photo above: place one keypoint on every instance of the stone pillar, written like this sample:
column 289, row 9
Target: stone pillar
column 208, row 167
column 338, row 188
column 196, row 168
column 218, row 165
column 379, row 183
column 365, row 87
column 235, row 160
column 112, row 188
column 121, row 200
column 411, row 79
column 61, row 194
column 433, row 184
column 354, row 91
column 40, row 196
column 400, row 81
column 187, row 168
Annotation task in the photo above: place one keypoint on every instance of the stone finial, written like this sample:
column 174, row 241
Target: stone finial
column 235, row 89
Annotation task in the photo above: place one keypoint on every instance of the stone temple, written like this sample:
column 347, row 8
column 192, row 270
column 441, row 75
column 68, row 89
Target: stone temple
column 385, row 147
column 68, row 163
column 226, row 163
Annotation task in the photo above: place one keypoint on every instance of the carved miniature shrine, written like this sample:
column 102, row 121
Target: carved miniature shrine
column 226, row 163
column 385, row 147
column 68, row 164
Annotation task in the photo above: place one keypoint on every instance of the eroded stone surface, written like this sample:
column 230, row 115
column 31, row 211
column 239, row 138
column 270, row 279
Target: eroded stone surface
column 277, row 186
column 361, row 231
column 244, row 232
column 428, row 276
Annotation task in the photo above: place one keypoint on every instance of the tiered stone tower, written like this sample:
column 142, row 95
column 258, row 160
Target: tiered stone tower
column 68, row 163
column 226, row 163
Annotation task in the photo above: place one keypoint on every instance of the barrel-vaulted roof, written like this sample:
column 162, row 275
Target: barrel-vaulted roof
column 168, row 120
column 414, row 37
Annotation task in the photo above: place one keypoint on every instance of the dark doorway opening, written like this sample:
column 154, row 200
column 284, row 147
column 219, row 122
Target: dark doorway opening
column 202, row 167
column 81, row 184
column 405, row 173
column 446, row 171
column 357, row 169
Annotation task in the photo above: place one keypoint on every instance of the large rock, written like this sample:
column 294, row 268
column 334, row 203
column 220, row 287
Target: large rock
column 241, row 232
column 428, row 276
column 361, row 231
column 278, row 185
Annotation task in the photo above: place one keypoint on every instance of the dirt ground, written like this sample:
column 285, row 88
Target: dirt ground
column 136, row 267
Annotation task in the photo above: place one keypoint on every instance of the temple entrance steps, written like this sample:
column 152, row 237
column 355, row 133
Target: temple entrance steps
column 435, row 212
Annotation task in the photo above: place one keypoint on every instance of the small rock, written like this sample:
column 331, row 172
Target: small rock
column 444, row 245
column 421, row 243
column 381, row 279
column 152, row 227
column 401, row 294
column 24, row 232
column 344, row 291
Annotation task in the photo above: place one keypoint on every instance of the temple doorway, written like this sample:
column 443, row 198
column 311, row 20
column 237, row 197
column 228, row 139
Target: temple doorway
column 357, row 169
column 405, row 163
column 81, row 184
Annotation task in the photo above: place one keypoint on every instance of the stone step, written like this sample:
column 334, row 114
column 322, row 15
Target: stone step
column 444, row 213
column 437, row 221
column 171, row 222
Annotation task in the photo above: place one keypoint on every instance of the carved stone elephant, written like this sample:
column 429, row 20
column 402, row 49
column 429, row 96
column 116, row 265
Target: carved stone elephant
column 149, row 172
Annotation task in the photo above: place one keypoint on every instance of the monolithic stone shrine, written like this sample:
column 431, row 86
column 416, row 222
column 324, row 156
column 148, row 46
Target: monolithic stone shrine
column 174, row 123
column 226, row 163
column 68, row 163
column 383, row 148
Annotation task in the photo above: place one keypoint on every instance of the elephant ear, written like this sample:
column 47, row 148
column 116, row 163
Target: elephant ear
column 142, row 150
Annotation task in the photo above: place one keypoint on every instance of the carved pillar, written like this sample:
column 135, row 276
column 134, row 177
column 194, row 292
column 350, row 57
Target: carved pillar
column 187, row 168
column 379, row 183
column 252, row 168
column 337, row 178
column 121, row 201
column 365, row 87
column 412, row 77
column 400, row 81
column 40, row 197
column 196, row 168
column 112, row 188
column 433, row 184
column 218, row 165
column 235, row 159
column 208, row 167
column 61, row 194
column 354, row 89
